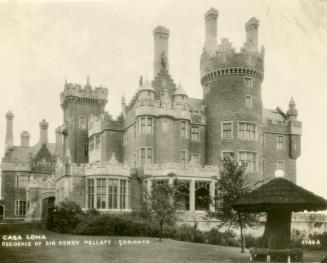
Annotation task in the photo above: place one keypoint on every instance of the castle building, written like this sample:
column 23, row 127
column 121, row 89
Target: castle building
column 105, row 163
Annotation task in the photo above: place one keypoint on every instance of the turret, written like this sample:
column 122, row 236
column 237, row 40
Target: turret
column 78, row 102
column 146, row 90
column 59, row 142
column 231, row 83
column 160, row 35
column 292, row 112
column 210, row 40
column 180, row 96
column 251, row 28
column 25, row 139
column 9, row 143
column 43, row 132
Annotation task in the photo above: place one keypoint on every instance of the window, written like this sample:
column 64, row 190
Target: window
column 183, row 156
column 97, row 141
column 248, row 101
column 227, row 154
column 295, row 144
column 280, row 165
column 86, row 150
column 123, row 194
column 144, row 156
column 185, row 126
column 195, row 158
column 142, row 150
column 82, row 122
column 112, row 193
column 250, row 158
column 101, row 193
column 248, row 82
column 145, row 125
column 227, row 130
column 280, row 142
column 247, row 130
column 135, row 130
column 195, row 134
column 125, row 138
column 149, row 127
column 22, row 180
column 183, row 195
column 21, row 208
column 90, row 193
column 202, row 195
column 149, row 155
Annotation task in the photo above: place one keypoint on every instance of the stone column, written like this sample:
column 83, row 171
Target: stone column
column 192, row 195
column 148, row 186
column 212, row 195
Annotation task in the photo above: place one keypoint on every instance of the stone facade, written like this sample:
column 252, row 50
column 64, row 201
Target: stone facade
column 162, row 134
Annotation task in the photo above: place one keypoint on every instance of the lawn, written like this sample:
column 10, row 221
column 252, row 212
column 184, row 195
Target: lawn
column 121, row 249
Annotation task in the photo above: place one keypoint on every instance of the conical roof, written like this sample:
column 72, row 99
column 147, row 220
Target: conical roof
column 146, row 86
column 280, row 193
column 180, row 91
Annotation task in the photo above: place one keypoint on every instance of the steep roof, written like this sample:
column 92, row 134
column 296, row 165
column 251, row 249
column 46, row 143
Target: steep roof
column 280, row 193
column 24, row 154
column 274, row 115
column 195, row 104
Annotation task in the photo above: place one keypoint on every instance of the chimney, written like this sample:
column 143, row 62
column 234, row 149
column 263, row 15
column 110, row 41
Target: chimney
column 210, row 39
column 251, row 28
column 160, row 35
column 25, row 139
column 44, row 131
column 59, row 144
column 9, row 143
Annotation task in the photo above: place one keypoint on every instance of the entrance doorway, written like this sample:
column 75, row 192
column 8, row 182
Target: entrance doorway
column 47, row 206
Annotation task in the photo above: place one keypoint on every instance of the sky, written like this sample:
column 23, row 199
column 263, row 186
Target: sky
column 44, row 43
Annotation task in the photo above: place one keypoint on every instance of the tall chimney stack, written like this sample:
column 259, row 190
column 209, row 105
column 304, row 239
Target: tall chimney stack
column 44, row 131
column 9, row 143
column 59, row 143
column 25, row 139
column 210, row 40
column 160, row 36
column 251, row 28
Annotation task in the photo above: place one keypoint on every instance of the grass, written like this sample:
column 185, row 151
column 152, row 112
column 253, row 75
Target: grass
column 154, row 252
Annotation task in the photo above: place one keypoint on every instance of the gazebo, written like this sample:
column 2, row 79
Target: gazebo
column 279, row 198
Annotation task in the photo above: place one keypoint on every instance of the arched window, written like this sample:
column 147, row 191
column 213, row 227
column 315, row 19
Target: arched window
column 202, row 195
column 183, row 195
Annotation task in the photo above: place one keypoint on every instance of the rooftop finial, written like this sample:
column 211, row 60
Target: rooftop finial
column 88, row 80
column 141, row 81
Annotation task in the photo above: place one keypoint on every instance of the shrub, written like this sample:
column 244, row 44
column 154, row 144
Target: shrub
column 65, row 217
column 251, row 241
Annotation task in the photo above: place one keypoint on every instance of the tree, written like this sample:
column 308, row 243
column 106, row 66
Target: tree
column 233, row 183
column 161, row 204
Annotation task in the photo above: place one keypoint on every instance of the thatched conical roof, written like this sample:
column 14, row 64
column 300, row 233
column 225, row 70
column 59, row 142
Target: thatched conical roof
column 280, row 193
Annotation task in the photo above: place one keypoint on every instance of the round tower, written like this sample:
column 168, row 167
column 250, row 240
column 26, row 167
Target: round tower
column 232, row 94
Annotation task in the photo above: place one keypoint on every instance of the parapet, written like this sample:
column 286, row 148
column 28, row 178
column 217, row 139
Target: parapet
column 211, row 12
column 76, row 90
column 253, row 22
column 9, row 115
column 161, row 30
